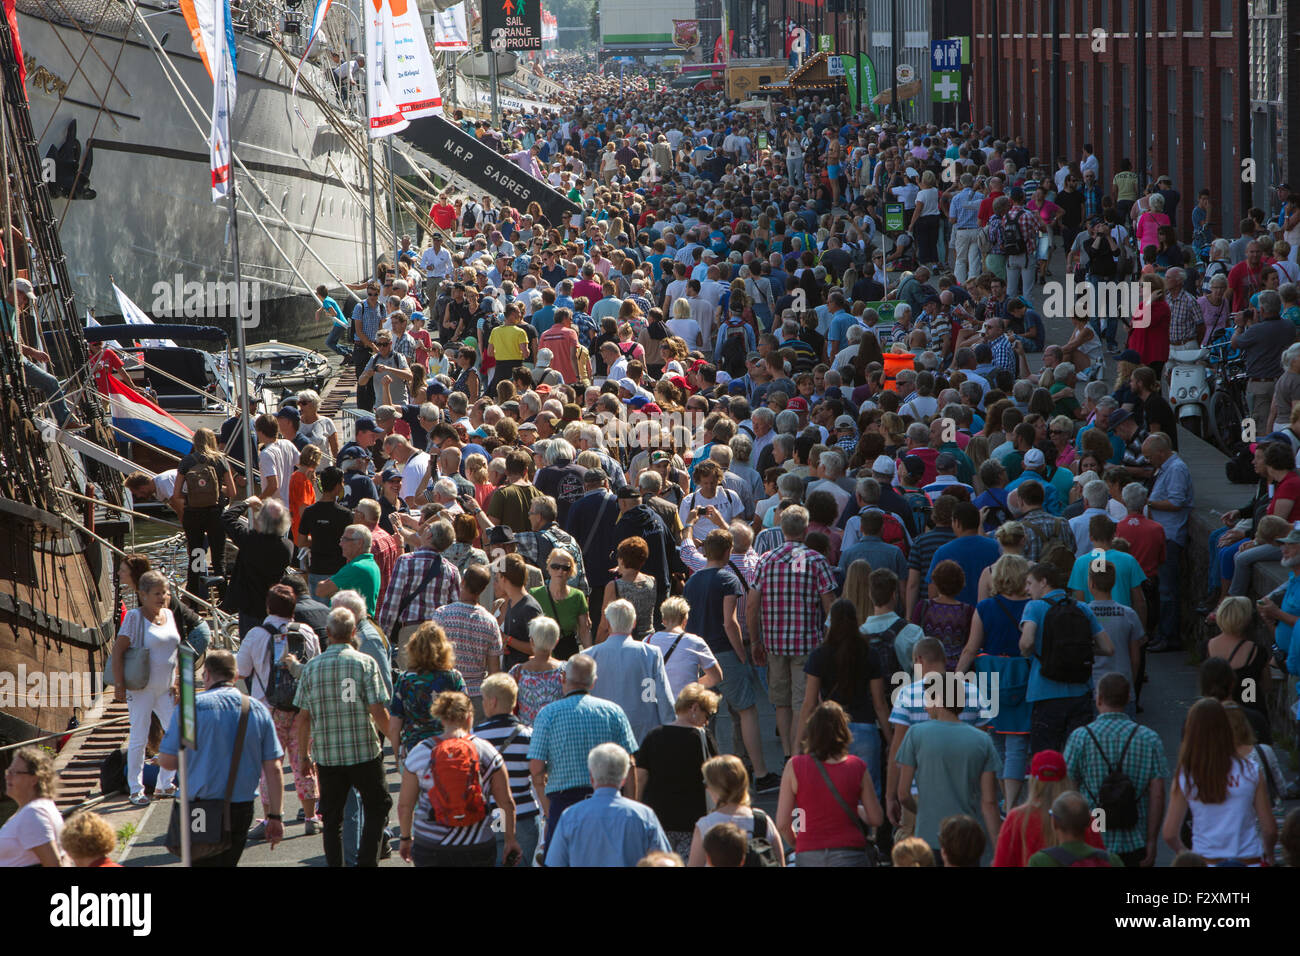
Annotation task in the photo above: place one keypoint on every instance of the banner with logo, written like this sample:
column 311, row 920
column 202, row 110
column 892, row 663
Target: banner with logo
column 411, row 77
column 686, row 34
column 869, row 85
column 450, row 31
column 317, row 21
column 213, row 35
column 550, row 27
column 385, row 117
column 512, row 25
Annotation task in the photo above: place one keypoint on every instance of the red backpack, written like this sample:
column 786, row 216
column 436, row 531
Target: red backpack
column 456, row 797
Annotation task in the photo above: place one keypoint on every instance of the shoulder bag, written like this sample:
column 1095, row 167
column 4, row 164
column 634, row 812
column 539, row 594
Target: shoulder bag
column 870, row 849
column 207, row 839
column 135, row 661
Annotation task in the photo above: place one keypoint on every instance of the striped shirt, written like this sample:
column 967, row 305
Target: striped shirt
column 495, row 730
column 921, row 556
column 341, row 731
column 407, row 573
column 476, row 638
column 427, row 831
column 909, row 703
column 567, row 729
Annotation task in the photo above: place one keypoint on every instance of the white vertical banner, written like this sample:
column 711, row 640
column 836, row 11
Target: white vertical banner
column 408, row 65
column 385, row 117
column 213, row 35
column 450, row 31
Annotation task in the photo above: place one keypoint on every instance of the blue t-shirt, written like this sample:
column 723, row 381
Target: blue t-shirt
column 1051, row 498
column 1128, row 575
column 1040, row 687
column 329, row 303
column 974, row 553
column 543, row 318
column 704, row 593
column 1000, row 617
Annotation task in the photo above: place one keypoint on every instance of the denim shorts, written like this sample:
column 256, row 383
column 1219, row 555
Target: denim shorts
column 737, row 687
column 866, row 745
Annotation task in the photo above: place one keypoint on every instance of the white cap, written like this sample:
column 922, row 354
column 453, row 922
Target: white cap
column 1034, row 459
column 884, row 465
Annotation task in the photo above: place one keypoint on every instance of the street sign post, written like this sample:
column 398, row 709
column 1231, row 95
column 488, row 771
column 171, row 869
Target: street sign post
column 945, row 87
column 905, row 72
column 945, row 55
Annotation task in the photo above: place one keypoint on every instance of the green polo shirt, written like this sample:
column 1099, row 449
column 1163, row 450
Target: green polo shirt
column 361, row 574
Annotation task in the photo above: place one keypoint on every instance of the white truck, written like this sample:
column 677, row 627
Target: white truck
column 642, row 30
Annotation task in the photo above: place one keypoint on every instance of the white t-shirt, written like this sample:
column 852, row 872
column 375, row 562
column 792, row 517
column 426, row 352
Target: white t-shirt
column 412, row 472
column 725, row 500
column 688, row 330
column 744, row 820
column 928, row 200
column 319, row 432
column 691, row 658
column 279, row 458
column 1226, row 829
column 162, row 641
column 165, row 482
column 920, row 406
column 35, row 824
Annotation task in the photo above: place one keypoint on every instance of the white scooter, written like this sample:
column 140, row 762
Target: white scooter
column 1187, row 386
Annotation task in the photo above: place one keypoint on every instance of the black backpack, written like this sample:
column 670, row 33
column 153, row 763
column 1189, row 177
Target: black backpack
column 112, row 773
column 281, row 686
column 882, row 644
column 1117, row 796
column 1067, row 643
column 1013, row 238
column 733, row 350
column 758, row 848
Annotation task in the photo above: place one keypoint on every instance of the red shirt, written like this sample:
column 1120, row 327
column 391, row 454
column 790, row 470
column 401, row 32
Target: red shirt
column 105, row 365
column 826, row 825
column 1013, row 850
column 563, row 343
column 1146, row 541
column 588, row 288
column 1288, row 489
column 927, row 455
column 986, row 208
column 443, row 215
column 387, row 549
column 1245, row 282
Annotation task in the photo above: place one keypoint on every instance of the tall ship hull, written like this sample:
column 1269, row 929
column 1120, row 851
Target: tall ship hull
column 95, row 74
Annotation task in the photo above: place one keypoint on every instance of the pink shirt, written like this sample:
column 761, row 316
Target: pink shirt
column 1148, row 229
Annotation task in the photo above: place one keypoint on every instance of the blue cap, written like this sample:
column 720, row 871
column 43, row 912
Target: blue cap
column 367, row 425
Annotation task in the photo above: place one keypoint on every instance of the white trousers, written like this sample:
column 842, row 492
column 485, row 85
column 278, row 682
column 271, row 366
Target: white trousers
column 141, row 705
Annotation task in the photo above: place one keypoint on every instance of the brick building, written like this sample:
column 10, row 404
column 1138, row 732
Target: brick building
column 1177, row 97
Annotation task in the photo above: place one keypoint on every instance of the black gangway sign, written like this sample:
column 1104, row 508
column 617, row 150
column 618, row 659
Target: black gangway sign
column 483, row 166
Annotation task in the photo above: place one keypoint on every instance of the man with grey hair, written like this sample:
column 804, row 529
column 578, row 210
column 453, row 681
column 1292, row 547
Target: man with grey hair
column 1095, row 496
column 785, row 614
column 742, row 451
column 722, row 457
column 360, row 571
column 606, row 829
column 544, row 537
column 764, row 422
column 1185, row 322
column 633, row 672
column 335, row 728
column 1263, row 344
column 565, row 732
column 421, row 582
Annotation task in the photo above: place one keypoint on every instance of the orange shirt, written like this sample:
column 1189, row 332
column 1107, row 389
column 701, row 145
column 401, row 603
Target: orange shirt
column 302, row 492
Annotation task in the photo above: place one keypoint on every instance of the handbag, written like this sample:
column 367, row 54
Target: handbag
column 135, row 661
column 207, row 840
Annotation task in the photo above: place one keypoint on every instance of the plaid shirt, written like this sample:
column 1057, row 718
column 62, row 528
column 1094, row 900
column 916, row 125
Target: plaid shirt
column 791, row 581
column 405, row 346
column 1046, row 531
column 567, row 729
column 1144, row 762
column 408, row 572
column 1004, row 354
column 386, row 548
column 341, row 732
column 1184, row 313
column 474, row 635
column 369, row 317
column 1091, row 200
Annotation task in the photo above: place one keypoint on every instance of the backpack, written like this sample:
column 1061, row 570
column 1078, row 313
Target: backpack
column 202, row 485
column 456, row 797
column 733, row 350
column 758, row 848
column 281, row 685
column 1013, row 239
column 882, row 644
column 112, row 773
column 1067, row 643
column 1117, row 795
column 1064, row 857
column 469, row 216
column 921, row 507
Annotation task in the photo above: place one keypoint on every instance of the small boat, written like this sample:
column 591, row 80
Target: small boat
column 282, row 367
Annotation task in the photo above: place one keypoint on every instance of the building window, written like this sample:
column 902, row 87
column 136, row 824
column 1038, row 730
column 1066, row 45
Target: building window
column 1198, row 17
column 1198, row 143
column 1148, row 15
column 1172, row 88
column 1102, row 145
column 1229, row 167
column 1085, row 13
column 1124, row 15
column 1146, row 158
column 1171, row 16
column 1265, row 51
column 1226, row 9
column 1086, row 132
column 1126, row 111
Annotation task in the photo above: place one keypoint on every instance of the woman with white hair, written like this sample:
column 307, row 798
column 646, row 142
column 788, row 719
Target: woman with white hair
column 540, row 678
column 264, row 553
column 317, row 429
column 1216, row 306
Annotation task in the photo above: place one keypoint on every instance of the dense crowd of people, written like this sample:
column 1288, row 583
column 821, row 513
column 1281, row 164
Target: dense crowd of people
column 724, row 434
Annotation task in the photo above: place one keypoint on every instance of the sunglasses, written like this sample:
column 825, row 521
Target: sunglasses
column 559, row 567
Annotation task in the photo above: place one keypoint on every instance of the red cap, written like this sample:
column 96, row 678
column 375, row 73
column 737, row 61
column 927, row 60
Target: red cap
column 698, row 363
column 798, row 404
column 1048, row 765
column 680, row 382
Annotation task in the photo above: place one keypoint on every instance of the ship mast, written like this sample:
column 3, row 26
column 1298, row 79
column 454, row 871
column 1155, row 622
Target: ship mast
column 240, row 339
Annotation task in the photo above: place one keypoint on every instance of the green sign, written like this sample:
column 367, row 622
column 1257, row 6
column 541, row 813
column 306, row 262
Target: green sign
column 894, row 217
column 762, row 141
column 654, row 84
column 965, row 50
column 945, row 87
column 824, row 43
column 188, row 738
column 869, row 87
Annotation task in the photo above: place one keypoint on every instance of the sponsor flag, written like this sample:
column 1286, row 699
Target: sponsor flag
column 385, row 117
column 213, row 35
column 317, row 21
column 11, row 14
column 140, row 418
column 449, row 29
column 686, row 34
